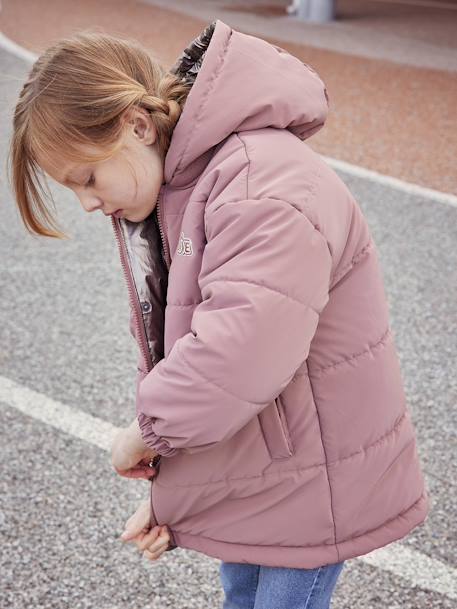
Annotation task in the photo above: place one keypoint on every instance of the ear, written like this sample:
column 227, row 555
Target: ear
column 140, row 123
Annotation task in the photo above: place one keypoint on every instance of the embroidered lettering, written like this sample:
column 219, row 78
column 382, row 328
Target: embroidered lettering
column 185, row 246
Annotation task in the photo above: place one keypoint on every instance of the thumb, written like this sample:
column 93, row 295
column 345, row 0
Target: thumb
column 132, row 531
column 137, row 523
column 133, row 527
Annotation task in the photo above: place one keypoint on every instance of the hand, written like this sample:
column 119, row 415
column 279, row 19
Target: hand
column 152, row 542
column 130, row 455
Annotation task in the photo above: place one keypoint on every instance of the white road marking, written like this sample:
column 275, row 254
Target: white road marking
column 64, row 418
column 418, row 569
column 385, row 180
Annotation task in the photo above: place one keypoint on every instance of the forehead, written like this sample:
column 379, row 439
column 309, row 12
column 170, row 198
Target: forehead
column 67, row 171
column 61, row 169
column 74, row 175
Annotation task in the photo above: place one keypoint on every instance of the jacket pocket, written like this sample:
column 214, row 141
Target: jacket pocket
column 275, row 431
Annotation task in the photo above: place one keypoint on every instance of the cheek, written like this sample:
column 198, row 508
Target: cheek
column 119, row 187
column 133, row 185
column 147, row 177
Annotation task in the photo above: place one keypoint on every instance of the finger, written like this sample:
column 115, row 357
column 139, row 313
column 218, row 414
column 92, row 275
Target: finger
column 161, row 542
column 132, row 534
column 139, row 539
column 138, row 522
column 143, row 472
column 157, row 547
column 134, row 527
column 149, row 538
column 153, row 555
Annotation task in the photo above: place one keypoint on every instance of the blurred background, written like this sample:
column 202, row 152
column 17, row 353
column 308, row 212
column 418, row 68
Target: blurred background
column 67, row 361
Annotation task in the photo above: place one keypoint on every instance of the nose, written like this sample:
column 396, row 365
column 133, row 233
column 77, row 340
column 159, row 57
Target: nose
column 90, row 203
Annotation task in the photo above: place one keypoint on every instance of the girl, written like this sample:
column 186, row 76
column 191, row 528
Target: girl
column 269, row 397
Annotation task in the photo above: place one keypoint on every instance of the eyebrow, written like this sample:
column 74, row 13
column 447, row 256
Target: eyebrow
column 68, row 180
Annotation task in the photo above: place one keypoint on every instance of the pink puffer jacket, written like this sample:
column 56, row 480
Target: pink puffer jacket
column 268, row 379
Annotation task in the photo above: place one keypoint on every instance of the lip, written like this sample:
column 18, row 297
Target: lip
column 118, row 213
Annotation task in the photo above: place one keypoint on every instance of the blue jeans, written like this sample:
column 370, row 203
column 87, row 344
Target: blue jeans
column 249, row 586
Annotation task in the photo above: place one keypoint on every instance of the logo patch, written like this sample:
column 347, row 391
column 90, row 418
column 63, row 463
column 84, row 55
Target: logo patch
column 185, row 246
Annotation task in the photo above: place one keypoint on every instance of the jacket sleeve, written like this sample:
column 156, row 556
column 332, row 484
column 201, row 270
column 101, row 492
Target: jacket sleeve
column 264, row 281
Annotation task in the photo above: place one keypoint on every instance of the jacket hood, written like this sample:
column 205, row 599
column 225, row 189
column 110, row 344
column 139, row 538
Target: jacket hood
column 240, row 83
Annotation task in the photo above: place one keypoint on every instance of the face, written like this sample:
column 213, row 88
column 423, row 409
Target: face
column 110, row 185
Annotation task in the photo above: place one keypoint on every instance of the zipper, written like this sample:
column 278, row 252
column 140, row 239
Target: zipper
column 153, row 522
column 162, row 234
column 138, row 317
column 134, row 300
column 133, row 295
column 128, row 274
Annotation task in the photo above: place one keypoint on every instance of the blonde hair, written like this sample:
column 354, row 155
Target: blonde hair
column 76, row 94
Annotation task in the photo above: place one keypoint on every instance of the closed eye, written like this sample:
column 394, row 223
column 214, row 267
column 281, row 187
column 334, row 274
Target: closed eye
column 91, row 180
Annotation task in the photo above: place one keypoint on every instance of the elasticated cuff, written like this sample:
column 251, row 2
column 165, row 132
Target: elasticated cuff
column 161, row 446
